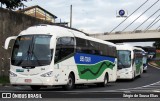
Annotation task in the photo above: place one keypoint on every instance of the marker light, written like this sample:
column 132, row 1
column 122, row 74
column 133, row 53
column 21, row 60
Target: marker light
column 48, row 74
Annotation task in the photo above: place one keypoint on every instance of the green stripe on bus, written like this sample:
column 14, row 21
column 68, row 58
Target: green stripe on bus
column 138, row 67
column 94, row 71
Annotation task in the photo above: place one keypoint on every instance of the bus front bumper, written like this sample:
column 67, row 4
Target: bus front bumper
column 47, row 81
column 127, row 75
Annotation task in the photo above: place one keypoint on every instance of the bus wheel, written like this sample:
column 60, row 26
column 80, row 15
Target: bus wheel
column 134, row 75
column 140, row 73
column 104, row 83
column 70, row 84
column 34, row 87
column 144, row 71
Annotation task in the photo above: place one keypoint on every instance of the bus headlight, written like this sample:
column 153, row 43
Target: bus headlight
column 12, row 74
column 48, row 74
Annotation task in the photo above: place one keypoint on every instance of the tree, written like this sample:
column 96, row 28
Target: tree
column 12, row 4
column 157, row 44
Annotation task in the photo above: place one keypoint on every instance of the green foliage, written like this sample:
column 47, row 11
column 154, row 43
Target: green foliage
column 158, row 63
column 4, row 79
column 157, row 44
column 158, row 55
column 12, row 4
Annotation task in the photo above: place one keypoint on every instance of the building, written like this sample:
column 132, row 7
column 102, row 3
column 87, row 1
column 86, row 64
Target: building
column 38, row 12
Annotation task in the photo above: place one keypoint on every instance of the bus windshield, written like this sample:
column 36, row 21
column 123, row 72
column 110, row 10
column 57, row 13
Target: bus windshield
column 32, row 50
column 124, row 59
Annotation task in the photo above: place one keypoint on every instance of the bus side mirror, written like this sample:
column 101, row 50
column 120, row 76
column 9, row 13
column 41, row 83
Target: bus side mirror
column 8, row 41
column 52, row 42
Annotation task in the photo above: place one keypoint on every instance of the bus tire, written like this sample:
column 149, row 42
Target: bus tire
column 71, row 83
column 104, row 83
column 144, row 71
column 35, row 87
column 134, row 75
column 140, row 73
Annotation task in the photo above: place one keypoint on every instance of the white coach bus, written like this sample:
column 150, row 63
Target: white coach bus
column 50, row 55
column 130, row 61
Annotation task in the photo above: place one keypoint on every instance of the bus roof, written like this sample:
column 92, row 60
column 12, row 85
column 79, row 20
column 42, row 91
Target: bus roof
column 50, row 30
column 60, row 31
column 96, row 40
column 127, row 47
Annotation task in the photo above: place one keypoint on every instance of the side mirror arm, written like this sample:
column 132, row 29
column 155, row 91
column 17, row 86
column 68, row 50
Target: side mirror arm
column 52, row 42
column 8, row 41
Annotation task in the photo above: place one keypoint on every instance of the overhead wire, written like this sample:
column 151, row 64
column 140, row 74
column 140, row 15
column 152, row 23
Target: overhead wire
column 146, row 20
column 152, row 22
column 141, row 15
column 152, row 25
column 129, row 16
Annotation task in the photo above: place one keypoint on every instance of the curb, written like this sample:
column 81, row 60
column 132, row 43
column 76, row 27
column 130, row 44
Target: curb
column 7, row 84
column 154, row 66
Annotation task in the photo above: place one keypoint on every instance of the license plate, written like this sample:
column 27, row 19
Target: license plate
column 27, row 80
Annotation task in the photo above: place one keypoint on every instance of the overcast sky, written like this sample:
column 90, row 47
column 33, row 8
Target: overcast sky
column 99, row 16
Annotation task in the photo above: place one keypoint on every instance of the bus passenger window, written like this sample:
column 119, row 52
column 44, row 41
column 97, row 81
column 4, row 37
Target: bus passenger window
column 64, row 47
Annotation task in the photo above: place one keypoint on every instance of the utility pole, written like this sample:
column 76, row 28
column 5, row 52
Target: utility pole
column 71, row 16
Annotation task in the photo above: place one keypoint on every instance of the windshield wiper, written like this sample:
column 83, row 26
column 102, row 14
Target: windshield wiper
column 26, row 54
column 33, row 54
column 29, row 51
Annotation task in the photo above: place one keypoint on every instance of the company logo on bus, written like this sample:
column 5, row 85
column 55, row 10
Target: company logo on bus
column 85, row 59
column 81, row 58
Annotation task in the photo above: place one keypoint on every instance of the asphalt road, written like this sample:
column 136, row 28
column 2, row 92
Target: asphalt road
column 152, row 76
column 148, row 82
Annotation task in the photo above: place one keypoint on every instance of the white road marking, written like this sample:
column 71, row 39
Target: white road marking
column 153, row 66
column 137, row 88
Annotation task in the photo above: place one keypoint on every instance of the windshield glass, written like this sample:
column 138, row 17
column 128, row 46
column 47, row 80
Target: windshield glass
column 32, row 50
column 124, row 59
column 144, row 57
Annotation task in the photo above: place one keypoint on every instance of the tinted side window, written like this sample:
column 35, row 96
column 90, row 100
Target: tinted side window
column 81, row 45
column 95, row 48
column 64, row 47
